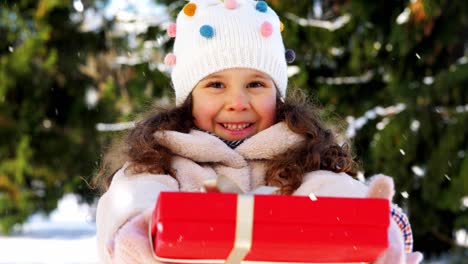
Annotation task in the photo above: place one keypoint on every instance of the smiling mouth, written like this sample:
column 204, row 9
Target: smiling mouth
column 238, row 126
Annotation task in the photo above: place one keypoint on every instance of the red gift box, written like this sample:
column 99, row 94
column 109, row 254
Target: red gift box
column 208, row 228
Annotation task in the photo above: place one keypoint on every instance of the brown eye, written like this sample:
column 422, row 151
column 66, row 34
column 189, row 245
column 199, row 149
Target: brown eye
column 215, row 85
column 256, row 85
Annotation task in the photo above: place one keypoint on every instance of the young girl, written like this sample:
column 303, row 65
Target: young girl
column 232, row 118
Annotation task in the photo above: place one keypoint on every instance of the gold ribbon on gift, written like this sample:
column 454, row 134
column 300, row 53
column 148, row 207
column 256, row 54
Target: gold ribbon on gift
column 244, row 215
column 244, row 220
column 243, row 235
column 244, row 228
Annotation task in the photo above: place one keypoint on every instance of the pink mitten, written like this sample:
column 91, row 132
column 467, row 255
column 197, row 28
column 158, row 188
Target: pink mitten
column 395, row 253
column 414, row 257
column 381, row 186
column 131, row 243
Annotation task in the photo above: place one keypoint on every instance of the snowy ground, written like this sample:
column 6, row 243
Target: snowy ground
column 67, row 236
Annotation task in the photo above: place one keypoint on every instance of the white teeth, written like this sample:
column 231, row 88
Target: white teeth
column 236, row 126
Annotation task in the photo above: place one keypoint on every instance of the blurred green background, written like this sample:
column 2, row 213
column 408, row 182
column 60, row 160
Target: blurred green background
column 75, row 73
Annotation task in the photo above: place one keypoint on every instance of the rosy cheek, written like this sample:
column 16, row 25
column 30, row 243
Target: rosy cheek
column 271, row 113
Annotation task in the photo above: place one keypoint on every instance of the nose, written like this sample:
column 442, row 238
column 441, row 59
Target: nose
column 238, row 100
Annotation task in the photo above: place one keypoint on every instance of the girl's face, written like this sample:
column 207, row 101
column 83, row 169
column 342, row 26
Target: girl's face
column 234, row 104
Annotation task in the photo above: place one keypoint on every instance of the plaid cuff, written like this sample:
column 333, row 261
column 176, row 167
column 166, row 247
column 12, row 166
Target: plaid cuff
column 402, row 220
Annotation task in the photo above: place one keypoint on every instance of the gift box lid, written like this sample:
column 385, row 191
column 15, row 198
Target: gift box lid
column 274, row 208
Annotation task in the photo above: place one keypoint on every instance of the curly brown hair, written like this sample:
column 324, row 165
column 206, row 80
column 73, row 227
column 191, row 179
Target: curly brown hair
column 319, row 152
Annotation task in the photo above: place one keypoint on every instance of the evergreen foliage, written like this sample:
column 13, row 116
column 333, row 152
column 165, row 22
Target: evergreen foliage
column 397, row 71
column 411, row 63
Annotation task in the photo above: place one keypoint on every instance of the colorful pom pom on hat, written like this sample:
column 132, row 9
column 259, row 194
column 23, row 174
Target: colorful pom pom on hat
column 189, row 9
column 213, row 35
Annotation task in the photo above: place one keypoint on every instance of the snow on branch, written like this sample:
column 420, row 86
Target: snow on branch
column 328, row 25
column 364, row 78
column 446, row 111
column 114, row 127
column 355, row 124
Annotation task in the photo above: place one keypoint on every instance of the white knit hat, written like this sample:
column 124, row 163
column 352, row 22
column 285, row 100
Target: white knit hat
column 214, row 35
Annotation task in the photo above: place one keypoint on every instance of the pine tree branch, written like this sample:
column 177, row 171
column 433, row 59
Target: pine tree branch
column 328, row 25
column 115, row 126
column 442, row 237
column 364, row 78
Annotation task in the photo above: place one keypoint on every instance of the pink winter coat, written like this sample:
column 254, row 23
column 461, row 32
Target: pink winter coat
column 200, row 156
